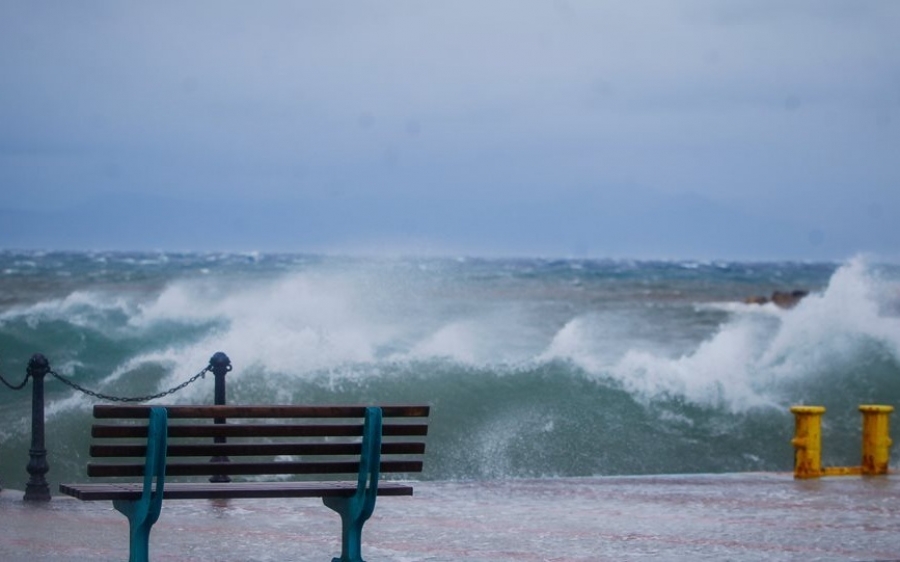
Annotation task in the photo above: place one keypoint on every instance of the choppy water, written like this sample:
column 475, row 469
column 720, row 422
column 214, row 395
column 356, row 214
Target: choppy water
column 533, row 367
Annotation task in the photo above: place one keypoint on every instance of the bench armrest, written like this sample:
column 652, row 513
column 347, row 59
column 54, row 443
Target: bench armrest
column 369, row 462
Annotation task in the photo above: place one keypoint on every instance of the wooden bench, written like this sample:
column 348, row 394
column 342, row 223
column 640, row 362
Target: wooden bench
column 319, row 443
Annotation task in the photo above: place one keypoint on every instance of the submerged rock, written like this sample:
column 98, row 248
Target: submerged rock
column 788, row 300
column 783, row 299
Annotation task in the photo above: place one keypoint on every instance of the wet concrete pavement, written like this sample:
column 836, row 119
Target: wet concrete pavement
column 678, row 518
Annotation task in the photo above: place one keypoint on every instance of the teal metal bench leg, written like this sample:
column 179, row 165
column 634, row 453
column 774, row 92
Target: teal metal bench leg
column 355, row 510
column 351, row 528
column 143, row 513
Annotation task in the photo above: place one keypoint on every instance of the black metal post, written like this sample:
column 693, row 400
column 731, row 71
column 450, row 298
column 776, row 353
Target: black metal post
column 220, row 364
column 37, row 489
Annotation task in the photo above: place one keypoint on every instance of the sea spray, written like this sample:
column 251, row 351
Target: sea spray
column 533, row 367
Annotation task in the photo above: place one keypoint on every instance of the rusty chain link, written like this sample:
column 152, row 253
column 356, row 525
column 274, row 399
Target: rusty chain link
column 109, row 398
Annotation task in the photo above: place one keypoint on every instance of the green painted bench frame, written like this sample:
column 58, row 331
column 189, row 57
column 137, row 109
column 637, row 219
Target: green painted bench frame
column 141, row 502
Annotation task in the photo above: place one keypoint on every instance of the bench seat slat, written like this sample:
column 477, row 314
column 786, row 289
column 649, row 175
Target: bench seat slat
column 102, row 431
column 256, row 449
column 245, row 468
column 261, row 411
column 236, row 490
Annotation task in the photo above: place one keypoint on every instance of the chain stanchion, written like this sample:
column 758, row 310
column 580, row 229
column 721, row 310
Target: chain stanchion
column 37, row 489
column 220, row 365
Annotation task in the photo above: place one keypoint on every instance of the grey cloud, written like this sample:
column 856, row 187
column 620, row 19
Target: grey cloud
column 774, row 110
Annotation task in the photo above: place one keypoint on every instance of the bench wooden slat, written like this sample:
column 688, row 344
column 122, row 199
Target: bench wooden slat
column 246, row 468
column 256, row 449
column 234, row 490
column 258, row 430
column 260, row 411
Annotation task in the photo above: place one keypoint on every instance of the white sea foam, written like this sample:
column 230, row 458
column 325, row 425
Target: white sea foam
column 292, row 326
column 459, row 341
column 482, row 339
column 502, row 348
column 744, row 362
column 307, row 323
column 85, row 309
column 829, row 327
column 593, row 341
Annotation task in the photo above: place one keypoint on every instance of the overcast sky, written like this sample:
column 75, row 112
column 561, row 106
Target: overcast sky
column 730, row 129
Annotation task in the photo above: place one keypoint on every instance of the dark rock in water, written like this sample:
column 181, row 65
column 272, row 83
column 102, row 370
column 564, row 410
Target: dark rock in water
column 788, row 300
column 783, row 299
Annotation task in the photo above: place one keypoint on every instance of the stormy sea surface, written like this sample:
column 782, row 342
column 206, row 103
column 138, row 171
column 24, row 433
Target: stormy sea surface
column 533, row 367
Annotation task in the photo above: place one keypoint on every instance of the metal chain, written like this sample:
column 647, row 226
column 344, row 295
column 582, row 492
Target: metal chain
column 172, row 390
column 15, row 387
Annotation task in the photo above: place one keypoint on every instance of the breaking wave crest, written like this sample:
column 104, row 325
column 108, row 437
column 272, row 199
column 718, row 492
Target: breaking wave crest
column 523, row 362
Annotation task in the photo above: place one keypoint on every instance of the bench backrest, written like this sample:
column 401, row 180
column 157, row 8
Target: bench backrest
column 315, row 441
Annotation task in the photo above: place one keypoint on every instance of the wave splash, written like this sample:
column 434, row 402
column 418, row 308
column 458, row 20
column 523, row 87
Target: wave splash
column 523, row 363
column 760, row 355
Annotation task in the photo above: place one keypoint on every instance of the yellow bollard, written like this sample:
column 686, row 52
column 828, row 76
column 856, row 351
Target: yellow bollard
column 876, row 447
column 807, row 441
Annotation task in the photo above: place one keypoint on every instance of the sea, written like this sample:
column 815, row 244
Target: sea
column 535, row 368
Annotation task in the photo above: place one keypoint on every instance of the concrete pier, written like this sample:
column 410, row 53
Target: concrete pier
column 736, row 517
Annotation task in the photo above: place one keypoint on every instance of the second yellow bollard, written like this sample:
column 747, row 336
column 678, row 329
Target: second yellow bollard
column 807, row 441
column 876, row 449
